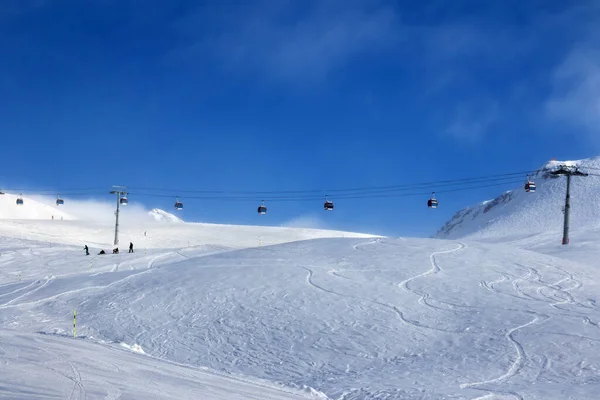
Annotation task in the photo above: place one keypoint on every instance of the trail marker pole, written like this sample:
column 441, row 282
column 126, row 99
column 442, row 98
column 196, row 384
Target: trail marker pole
column 75, row 323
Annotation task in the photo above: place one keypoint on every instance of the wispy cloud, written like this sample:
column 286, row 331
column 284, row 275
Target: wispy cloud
column 283, row 40
column 575, row 99
column 496, row 62
column 473, row 120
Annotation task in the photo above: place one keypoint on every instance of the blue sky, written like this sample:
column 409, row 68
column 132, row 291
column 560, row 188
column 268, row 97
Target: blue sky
column 293, row 95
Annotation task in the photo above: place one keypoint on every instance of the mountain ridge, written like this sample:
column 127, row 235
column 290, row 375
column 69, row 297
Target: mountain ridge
column 516, row 212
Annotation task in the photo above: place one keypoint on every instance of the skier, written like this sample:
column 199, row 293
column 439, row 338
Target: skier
column 102, row 252
column 87, row 250
column 131, row 247
column 116, row 250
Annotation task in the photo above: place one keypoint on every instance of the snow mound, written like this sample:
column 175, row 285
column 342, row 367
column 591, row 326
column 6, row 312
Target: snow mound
column 136, row 348
column 163, row 216
column 30, row 209
column 517, row 213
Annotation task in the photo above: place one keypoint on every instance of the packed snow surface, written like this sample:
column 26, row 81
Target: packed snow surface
column 345, row 318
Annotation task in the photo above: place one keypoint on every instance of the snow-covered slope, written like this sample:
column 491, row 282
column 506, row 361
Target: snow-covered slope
column 92, row 223
column 346, row 318
column 43, row 366
column 243, row 312
column 31, row 209
column 519, row 214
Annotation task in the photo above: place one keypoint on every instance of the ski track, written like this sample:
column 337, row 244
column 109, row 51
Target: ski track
column 532, row 277
column 75, row 375
column 517, row 364
column 370, row 242
column 424, row 297
column 434, row 268
column 19, row 289
column 10, row 303
column 490, row 285
column 396, row 310
column 56, row 296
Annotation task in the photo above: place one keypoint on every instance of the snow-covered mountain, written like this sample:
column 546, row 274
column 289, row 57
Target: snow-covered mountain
column 517, row 213
column 160, row 215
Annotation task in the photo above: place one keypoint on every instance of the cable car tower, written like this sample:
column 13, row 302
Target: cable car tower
column 121, row 193
column 569, row 172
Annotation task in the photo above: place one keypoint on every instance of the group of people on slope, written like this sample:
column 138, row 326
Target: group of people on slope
column 115, row 250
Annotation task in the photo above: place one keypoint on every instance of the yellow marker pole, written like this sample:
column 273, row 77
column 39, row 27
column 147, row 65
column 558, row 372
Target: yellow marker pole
column 74, row 323
column 90, row 264
column 19, row 276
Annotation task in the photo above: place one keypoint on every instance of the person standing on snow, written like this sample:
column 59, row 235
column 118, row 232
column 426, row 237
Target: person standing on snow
column 131, row 247
column 87, row 250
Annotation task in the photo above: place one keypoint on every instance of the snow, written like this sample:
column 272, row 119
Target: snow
column 160, row 215
column 31, row 209
column 518, row 213
column 245, row 312
column 48, row 366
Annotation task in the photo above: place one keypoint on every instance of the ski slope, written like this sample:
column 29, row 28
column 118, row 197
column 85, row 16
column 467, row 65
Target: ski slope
column 344, row 318
column 245, row 312
column 38, row 366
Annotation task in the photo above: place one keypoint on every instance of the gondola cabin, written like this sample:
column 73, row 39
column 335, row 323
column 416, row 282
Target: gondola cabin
column 20, row 201
column 124, row 201
column 432, row 202
column 530, row 187
column 328, row 206
column 262, row 210
column 178, row 205
column 59, row 201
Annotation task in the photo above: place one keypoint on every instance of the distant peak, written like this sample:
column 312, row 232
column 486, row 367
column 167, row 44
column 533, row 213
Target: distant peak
column 162, row 215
